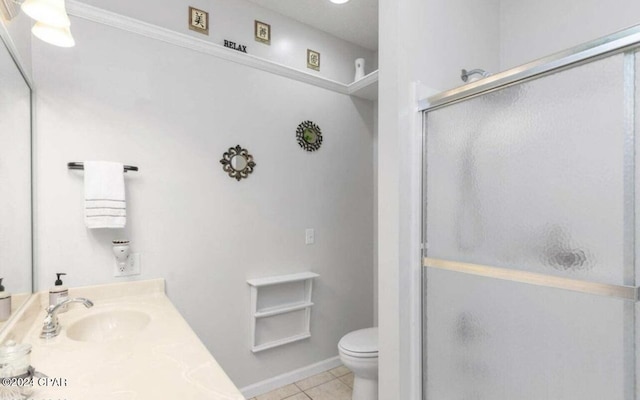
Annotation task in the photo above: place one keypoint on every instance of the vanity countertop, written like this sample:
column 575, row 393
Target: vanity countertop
column 163, row 360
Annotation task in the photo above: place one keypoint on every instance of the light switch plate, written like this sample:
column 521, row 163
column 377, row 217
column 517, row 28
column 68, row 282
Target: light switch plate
column 309, row 236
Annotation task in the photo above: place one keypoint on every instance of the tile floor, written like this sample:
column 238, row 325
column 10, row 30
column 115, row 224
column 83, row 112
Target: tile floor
column 335, row 384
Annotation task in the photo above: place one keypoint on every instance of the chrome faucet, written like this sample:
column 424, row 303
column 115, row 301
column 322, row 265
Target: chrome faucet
column 50, row 327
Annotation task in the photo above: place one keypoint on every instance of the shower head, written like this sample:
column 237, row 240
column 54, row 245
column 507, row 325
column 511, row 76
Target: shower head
column 465, row 75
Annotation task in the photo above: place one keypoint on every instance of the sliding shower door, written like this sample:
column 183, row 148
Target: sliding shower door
column 529, row 224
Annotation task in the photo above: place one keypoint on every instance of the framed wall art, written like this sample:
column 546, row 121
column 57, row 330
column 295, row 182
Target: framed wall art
column 313, row 59
column 262, row 32
column 198, row 20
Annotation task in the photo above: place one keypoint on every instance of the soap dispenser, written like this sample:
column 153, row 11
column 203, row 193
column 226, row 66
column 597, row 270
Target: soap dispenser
column 58, row 293
column 5, row 303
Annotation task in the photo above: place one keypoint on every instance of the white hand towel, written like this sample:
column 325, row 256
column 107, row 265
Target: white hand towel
column 104, row 202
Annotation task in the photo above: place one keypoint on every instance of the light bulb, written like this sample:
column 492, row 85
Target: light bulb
column 57, row 36
column 50, row 12
column 339, row 1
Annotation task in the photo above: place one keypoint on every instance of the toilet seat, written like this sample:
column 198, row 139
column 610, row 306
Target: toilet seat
column 359, row 353
column 362, row 343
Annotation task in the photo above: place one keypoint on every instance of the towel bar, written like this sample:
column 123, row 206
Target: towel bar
column 79, row 165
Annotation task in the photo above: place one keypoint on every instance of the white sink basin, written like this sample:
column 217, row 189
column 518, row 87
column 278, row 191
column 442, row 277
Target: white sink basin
column 108, row 325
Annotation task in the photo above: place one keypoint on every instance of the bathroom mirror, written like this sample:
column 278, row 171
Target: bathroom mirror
column 15, row 181
column 237, row 162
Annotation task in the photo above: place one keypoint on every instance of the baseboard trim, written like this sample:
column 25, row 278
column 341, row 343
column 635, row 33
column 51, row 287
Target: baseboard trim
column 287, row 378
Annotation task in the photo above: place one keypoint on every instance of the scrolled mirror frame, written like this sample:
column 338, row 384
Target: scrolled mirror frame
column 227, row 167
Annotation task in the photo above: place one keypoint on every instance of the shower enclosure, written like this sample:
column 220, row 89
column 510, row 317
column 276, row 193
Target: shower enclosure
column 529, row 267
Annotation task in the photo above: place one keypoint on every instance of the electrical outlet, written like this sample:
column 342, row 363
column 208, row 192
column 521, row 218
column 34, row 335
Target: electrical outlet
column 133, row 267
column 309, row 236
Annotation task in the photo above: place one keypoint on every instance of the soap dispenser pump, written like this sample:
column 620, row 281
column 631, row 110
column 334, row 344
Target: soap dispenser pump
column 58, row 293
column 5, row 303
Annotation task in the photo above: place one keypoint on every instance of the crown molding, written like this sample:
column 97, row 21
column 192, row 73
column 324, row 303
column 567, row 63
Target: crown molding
column 101, row 16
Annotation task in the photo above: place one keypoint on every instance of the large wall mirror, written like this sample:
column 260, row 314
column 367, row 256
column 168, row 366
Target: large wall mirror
column 15, row 181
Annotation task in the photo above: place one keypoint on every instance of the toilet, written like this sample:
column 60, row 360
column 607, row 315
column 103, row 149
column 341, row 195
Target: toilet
column 359, row 352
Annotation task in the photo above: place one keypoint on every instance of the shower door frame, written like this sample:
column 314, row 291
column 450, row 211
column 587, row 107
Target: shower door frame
column 626, row 41
column 618, row 42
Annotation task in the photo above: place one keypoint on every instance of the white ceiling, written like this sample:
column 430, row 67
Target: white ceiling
column 355, row 21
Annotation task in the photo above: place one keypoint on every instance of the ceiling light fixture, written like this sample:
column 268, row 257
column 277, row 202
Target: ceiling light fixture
column 339, row 1
column 52, row 22
column 50, row 12
column 55, row 35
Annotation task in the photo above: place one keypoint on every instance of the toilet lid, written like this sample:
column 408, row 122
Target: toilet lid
column 363, row 341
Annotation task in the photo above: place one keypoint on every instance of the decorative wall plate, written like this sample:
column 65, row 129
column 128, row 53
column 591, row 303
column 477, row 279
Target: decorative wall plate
column 237, row 162
column 309, row 136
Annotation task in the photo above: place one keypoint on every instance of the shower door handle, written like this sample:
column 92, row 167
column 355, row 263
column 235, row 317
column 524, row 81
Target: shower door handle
column 629, row 293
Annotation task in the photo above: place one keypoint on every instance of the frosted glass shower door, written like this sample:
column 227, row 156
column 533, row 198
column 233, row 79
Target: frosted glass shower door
column 529, row 268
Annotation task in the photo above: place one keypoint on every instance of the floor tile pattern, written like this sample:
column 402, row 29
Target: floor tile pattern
column 335, row 384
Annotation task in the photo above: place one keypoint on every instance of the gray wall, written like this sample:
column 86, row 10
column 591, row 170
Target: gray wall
column 234, row 20
column 173, row 112
column 534, row 29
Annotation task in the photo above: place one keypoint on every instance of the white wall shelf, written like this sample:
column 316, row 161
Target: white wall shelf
column 115, row 20
column 269, row 312
column 274, row 280
column 365, row 88
column 272, row 297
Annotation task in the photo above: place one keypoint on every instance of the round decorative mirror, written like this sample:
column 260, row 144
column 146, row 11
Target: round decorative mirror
column 237, row 162
column 309, row 136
